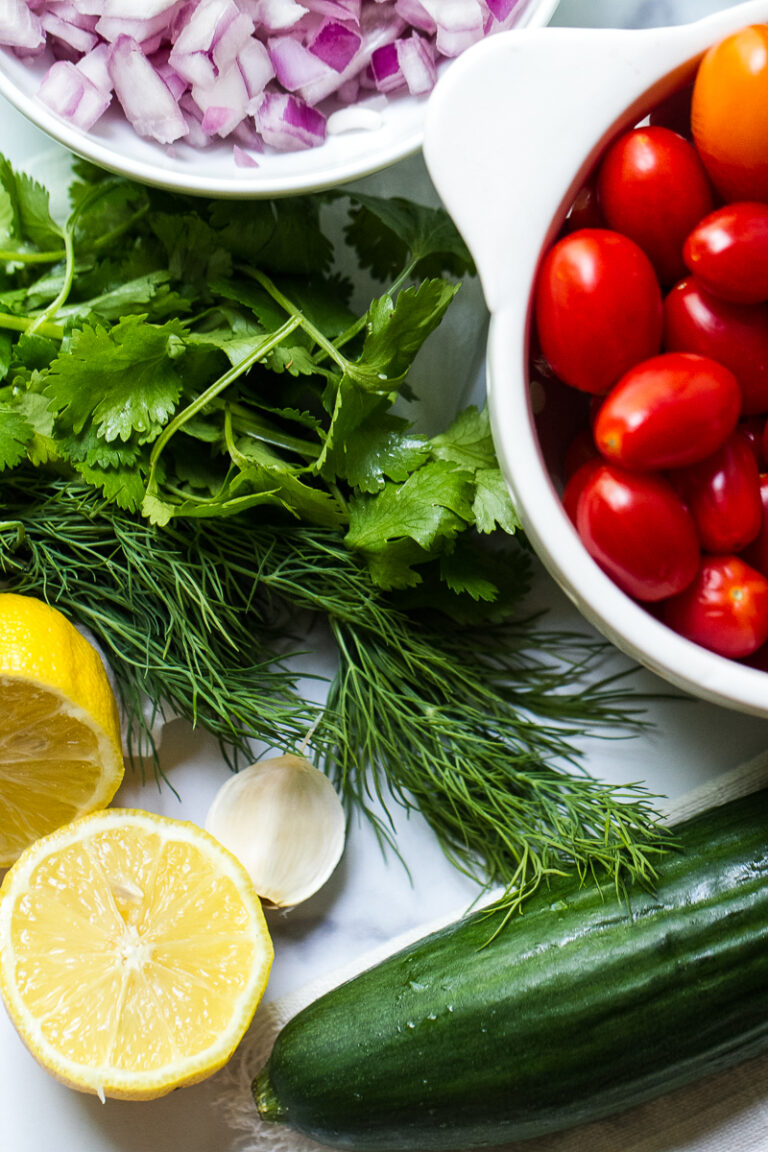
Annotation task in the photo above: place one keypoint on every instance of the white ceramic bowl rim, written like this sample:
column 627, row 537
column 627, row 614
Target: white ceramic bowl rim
column 523, row 180
column 112, row 143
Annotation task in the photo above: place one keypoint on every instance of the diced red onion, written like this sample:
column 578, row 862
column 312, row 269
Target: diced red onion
column 243, row 159
column 287, row 123
column 78, row 39
column 68, row 91
column 145, row 99
column 269, row 73
column 95, row 66
column 336, row 44
column 295, row 66
column 223, row 103
column 256, row 67
column 20, row 27
column 501, row 9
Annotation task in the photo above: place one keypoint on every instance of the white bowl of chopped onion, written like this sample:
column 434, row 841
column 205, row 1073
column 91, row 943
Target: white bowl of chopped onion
column 509, row 192
column 240, row 98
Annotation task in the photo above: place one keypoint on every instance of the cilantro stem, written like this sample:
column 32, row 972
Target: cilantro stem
column 328, row 347
column 25, row 323
column 65, row 289
column 258, row 352
column 11, row 256
column 261, row 429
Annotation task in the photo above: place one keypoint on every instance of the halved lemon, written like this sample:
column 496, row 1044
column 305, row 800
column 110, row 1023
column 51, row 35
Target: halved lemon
column 60, row 749
column 133, row 953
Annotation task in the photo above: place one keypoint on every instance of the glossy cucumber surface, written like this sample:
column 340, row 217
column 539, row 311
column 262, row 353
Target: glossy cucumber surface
column 582, row 1006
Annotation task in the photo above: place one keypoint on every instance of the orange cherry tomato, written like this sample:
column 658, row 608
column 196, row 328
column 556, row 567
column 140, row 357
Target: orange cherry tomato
column 729, row 114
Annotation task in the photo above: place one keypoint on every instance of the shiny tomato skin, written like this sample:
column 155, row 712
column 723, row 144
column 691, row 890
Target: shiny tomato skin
column 724, row 609
column 727, row 251
column 736, row 335
column 666, row 412
column 652, row 187
column 729, row 114
column 753, row 429
column 722, row 494
column 598, row 308
column 636, row 527
column 756, row 553
column 576, row 483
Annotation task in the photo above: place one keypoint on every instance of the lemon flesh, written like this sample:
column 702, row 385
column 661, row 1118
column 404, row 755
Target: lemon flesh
column 133, row 953
column 60, row 753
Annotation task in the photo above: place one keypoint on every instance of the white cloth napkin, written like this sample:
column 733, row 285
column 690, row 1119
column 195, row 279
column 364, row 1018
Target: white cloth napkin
column 723, row 1113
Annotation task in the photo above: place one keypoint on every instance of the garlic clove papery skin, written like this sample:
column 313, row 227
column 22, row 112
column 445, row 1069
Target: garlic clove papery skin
column 284, row 821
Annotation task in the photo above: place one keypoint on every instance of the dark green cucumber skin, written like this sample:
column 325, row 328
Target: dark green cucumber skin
column 584, row 1005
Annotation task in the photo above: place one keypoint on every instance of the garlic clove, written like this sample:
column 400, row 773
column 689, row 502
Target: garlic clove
column 284, row 821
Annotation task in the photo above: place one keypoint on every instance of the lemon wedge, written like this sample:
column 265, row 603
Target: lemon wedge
column 60, row 750
column 133, row 953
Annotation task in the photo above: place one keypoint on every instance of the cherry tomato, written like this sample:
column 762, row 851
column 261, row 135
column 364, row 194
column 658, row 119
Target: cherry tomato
column 736, row 335
column 652, row 187
column 729, row 114
column 725, row 609
column 671, row 410
column 638, row 530
column 722, row 494
column 756, row 553
column 728, row 252
column 598, row 308
column 753, row 428
column 576, row 484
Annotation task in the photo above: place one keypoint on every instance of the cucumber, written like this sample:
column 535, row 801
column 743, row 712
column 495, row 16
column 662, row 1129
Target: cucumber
column 584, row 1005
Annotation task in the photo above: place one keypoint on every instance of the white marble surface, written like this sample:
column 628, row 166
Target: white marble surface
column 370, row 898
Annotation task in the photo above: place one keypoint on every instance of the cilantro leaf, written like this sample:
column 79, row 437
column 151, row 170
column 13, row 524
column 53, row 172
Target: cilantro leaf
column 435, row 502
column 389, row 234
column 121, row 486
column 34, row 214
column 468, row 442
column 194, row 251
column 278, row 235
column 492, row 506
column 15, row 434
column 396, row 329
column 122, row 379
column 381, row 449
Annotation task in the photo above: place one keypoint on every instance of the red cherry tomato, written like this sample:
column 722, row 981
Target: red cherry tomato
column 728, row 252
column 638, row 530
column 725, row 609
column 736, row 335
column 576, row 484
column 756, row 553
column 753, row 429
column 668, row 411
column 729, row 114
column 652, row 187
column 598, row 308
column 723, row 496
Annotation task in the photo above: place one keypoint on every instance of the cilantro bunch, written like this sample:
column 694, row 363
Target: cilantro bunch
column 202, row 442
column 198, row 359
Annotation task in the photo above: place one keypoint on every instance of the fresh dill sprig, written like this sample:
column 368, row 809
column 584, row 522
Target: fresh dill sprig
column 476, row 728
column 177, row 624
